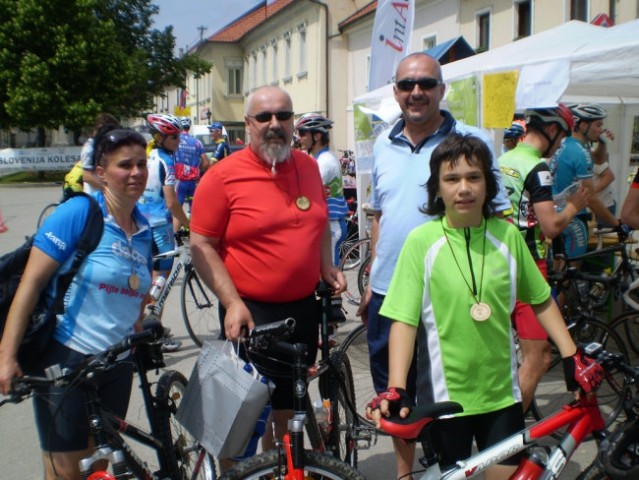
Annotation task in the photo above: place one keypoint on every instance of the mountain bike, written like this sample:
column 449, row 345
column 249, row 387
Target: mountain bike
column 179, row 456
column 199, row 304
column 580, row 418
column 290, row 460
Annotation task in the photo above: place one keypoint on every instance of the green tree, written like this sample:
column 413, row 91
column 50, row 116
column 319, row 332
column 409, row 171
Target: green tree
column 64, row 61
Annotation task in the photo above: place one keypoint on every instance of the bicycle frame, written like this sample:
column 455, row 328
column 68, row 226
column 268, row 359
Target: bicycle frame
column 184, row 261
column 106, row 428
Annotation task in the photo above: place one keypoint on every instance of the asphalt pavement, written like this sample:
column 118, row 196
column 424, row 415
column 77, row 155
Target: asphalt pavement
column 20, row 456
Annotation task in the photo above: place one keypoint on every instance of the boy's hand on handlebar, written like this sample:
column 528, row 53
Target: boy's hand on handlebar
column 394, row 401
column 582, row 372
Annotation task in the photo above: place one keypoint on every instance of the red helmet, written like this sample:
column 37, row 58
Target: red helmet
column 164, row 124
column 560, row 115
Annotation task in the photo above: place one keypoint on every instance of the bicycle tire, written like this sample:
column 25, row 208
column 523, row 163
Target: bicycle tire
column 46, row 211
column 199, row 309
column 594, row 472
column 551, row 393
column 363, row 275
column 272, row 464
column 349, row 265
column 186, row 457
column 341, row 393
column 630, row 332
column 355, row 347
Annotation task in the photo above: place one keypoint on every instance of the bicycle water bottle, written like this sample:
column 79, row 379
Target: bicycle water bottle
column 322, row 411
column 532, row 465
column 260, row 429
column 156, row 287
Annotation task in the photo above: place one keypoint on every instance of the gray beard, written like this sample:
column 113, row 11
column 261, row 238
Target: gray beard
column 274, row 154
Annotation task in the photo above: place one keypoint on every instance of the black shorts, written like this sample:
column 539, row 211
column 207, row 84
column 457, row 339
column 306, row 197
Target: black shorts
column 60, row 412
column 453, row 437
column 307, row 313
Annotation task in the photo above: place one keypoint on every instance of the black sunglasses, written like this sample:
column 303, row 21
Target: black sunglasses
column 264, row 117
column 121, row 135
column 408, row 85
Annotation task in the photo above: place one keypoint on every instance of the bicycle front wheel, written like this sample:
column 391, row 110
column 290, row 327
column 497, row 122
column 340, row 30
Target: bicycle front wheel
column 551, row 393
column 272, row 465
column 46, row 211
column 187, row 459
column 199, row 309
column 627, row 326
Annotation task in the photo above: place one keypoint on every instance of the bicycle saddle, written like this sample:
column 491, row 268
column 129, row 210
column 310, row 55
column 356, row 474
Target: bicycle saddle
column 410, row 427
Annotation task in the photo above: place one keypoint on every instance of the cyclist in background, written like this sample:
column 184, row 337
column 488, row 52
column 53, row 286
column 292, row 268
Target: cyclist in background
column 312, row 130
column 222, row 148
column 160, row 204
column 526, row 176
column 190, row 163
column 513, row 135
column 572, row 163
column 91, row 182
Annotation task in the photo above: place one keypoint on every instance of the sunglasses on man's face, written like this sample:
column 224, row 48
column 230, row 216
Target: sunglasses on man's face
column 408, row 85
column 264, row 117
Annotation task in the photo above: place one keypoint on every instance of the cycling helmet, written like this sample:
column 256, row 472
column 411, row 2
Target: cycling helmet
column 516, row 131
column 560, row 114
column 313, row 122
column 185, row 122
column 588, row 112
column 164, row 124
column 618, row 452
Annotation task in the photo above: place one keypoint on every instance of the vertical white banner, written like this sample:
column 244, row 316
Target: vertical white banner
column 391, row 39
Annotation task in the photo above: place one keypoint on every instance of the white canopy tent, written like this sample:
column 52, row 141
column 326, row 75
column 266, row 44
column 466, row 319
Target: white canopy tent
column 599, row 64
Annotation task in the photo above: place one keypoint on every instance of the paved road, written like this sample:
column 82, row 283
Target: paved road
column 19, row 451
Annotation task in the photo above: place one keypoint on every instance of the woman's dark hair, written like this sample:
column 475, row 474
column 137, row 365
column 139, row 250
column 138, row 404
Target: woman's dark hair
column 453, row 148
column 109, row 138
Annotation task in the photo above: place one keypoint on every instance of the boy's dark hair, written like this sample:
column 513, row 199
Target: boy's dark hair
column 454, row 147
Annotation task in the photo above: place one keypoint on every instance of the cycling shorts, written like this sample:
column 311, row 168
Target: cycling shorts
column 575, row 236
column 185, row 190
column 453, row 437
column 377, row 333
column 523, row 317
column 307, row 313
column 60, row 412
column 163, row 241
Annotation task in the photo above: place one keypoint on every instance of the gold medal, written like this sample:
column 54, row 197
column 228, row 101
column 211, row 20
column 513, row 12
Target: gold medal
column 134, row 281
column 480, row 312
column 303, row 203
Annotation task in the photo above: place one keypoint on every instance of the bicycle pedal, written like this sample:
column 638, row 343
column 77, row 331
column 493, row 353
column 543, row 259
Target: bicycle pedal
column 365, row 437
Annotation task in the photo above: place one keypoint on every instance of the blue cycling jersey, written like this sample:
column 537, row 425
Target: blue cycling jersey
column 152, row 203
column 100, row 305
column 188, row 158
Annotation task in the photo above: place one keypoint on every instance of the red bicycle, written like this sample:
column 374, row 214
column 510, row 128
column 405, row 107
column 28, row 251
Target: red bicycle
column 579, row 419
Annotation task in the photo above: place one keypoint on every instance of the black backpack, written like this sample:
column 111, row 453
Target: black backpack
column 43, row 320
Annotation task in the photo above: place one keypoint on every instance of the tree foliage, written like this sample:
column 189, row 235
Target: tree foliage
column 64, row 61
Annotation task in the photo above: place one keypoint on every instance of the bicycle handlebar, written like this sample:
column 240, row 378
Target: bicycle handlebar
column 22, row 387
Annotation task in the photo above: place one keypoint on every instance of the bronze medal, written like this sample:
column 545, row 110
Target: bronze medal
column 480, row 312
column 134, row 282
column 303, row 203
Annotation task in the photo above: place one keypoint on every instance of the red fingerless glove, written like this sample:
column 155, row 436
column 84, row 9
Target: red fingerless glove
column 582, row 372
column 398, row 398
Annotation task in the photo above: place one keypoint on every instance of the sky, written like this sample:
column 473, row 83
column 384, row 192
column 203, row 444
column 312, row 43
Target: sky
column 187, row 15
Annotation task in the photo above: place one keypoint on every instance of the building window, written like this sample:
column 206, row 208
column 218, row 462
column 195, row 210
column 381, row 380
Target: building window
column 302, row 49
column 264, row 79
column 287, row 57
column 483, row 32
column 274, row 76
column 579, row 10
column 254, row 71
column 234, row 75
column 524, row 19
column 429, row 42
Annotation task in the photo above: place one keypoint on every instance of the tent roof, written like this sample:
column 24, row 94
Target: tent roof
column 451, row 50
column 602, row 61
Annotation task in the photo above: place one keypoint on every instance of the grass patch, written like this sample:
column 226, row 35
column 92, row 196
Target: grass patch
column 35, row 177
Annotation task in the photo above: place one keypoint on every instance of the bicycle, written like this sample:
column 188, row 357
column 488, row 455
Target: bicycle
column 580, row 418
column 179, row 456
column 199, row 305
column 290, row 460
column 578, row 310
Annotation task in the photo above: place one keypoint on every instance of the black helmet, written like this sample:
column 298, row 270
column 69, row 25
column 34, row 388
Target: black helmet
column 313, row 122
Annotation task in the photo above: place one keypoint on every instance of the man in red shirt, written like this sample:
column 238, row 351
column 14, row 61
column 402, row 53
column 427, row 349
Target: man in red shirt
column 260, row 236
